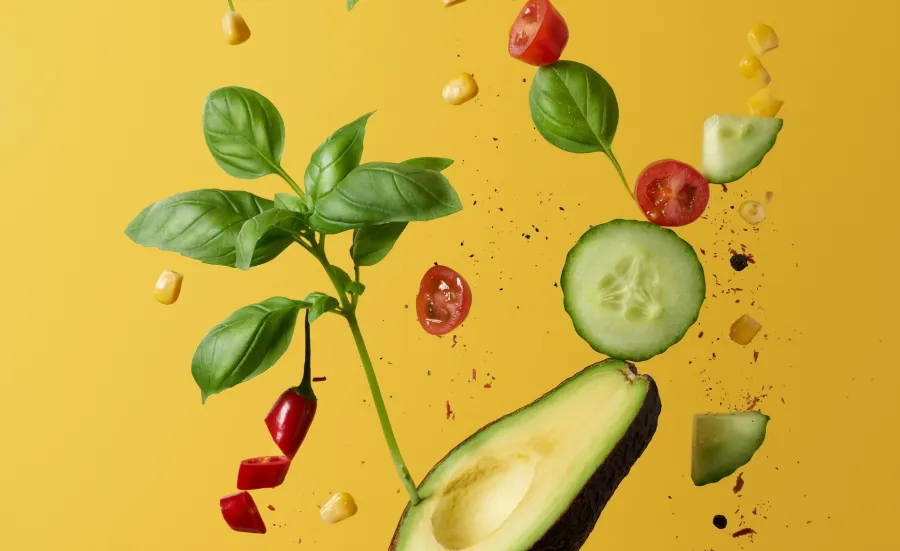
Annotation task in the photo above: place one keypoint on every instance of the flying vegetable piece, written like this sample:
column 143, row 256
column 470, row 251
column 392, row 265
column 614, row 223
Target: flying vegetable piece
column 340, row 506
column 234, row 29
column 725, row 442
column 240, row 512
column 762, row 38
column 168, row 287
column 460, row 90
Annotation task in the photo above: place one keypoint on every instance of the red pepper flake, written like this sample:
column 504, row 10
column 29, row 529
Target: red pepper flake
column 487, row 385
column 450, row 414
column 700, row 336
column 320, row 379
column 271, row 508
column 743, row 532
column 454, row 342
column 739, row 483
column 724, row 188
column 755, row 356
column 702, row 252
column 474, row 375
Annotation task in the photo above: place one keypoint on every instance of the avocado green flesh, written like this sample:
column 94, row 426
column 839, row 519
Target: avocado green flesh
column 507, row 485
column 725, row 442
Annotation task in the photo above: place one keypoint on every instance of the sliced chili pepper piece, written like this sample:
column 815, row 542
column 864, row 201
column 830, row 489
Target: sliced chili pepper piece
column 241, row 514
column 262, row 472
column 293, row 413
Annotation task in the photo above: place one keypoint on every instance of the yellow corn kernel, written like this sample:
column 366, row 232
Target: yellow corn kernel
column 762, row 38
column 744, row 329
column 460, row 90
column 752, row 212
column 168, row 287
column 751, row 67
column 340, row 506
column 764, row 104
column 235, row 29
column 448, row 3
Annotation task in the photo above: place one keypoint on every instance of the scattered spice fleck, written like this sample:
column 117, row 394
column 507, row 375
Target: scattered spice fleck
column 755, row 356
column 769, row 196
column 739, row 483
column 454, row 342
column 724, row 188
column 487, row 385
column 743, row 532
column 720, row 522
column 700, row 336
column 271, row 508
column 474, row 375
column 320, row 379
column 450, row 414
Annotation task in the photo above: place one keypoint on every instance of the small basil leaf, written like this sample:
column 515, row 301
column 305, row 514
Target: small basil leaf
column 320, row 303
column 204, row 225
column 372, row 243
column 431, row 163
column 245, row 345
column 342, row 276
column 289, row 201
column 334, row 159
column 356, row 288
column 350, row 4
column 271, row 224
column 380, row 193
column 574, row 108
column 244, row 132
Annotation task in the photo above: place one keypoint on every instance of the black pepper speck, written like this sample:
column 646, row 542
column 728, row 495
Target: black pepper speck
column 739, row 261
column 720, row 522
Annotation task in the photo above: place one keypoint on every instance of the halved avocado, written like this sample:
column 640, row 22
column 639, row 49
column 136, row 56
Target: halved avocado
column 537, row 479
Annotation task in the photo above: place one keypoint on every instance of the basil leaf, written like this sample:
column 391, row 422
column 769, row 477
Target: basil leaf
column 320, row 303
column 350, row 4
column 372, row 243
column 269, row 224
column 343, row 277
column 574, row 108
column 245, row 345
column 334, row 159
column 289, row 201
column 244, row 132
column 431, row 163
column 204, row 225
column 356, row 288
column 379, row 193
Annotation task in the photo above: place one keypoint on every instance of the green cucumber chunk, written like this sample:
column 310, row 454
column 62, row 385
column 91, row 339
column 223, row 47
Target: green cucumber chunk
column 725, row 442
column 733, row 146
column 632, row 288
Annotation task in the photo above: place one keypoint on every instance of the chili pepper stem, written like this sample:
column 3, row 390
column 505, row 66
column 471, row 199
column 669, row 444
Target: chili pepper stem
column 231, row 5
column 305, row 388
column 399, row 464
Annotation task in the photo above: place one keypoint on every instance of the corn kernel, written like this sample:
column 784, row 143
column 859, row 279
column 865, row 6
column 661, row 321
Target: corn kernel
column 764, row 104
column 235, row 29
column 751, row 67
column 340, row 506
column 744, row 329
column 460, row 90
column 752, row 212
column 168, row 287
column 762, row 38
column 448, row 3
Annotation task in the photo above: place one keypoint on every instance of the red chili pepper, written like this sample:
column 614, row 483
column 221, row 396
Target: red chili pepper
column 293, row 412
column 241, row 514
column 262, row 472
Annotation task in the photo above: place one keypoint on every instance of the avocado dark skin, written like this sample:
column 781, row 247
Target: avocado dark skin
column 571, row 530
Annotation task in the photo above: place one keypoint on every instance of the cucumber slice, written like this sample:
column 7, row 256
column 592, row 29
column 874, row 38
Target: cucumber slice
column 725, row 442
column 632, row 288
column 733, row 146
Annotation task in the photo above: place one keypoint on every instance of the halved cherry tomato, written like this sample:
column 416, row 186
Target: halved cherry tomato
column 671, row 193
column 240, row 512
column 262, row 472
column 443, row 301
column 539, row 34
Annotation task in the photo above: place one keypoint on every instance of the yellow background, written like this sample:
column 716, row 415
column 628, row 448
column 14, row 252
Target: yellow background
column 105, row 444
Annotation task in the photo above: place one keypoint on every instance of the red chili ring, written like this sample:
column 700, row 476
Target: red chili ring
column 262, row 472
column 241, row 514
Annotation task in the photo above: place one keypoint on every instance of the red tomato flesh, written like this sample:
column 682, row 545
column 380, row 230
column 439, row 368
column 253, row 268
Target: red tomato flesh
column 539, row 35
column 241, row 514
column 443, row 301
column 262, row 472
column 671, row 193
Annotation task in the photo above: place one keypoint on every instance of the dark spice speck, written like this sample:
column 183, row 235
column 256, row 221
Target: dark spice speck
column 739, row 261
column 720, row 522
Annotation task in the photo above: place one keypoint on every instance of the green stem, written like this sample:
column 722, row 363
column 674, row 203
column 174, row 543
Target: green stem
column 399, row 464
column 287, row 178
column 231, row 5
column 615, row 163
